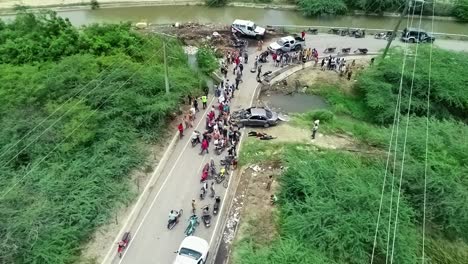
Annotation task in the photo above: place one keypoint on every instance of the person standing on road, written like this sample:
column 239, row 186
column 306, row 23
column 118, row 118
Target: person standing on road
column 212, row 190
column 194, row 206
column 303, row 35
column 238, row 80
column 204, row 146
column 260, row 45
column 350, row 73
column 241, row 68
column 246, row 57
column 195, row 104
column 259, row 71
column 180, row 127
column 269, row 182
column 204, row 99
column 315, row 128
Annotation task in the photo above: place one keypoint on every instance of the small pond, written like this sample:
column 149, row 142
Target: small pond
column 294, row 103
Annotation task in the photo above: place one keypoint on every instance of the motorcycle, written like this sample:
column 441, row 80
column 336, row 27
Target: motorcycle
column 216, row 205
column 381, row 35
column 335, row 31
column 312, row 31
column 345, row 50
column 361, row 51
column 206, row 217
column 329, row 50
column 123, row 243
column 195, row 139
column 221, row 176
column 193, row 223
column 360, row 34
column 227, row 160
column 171, row 224
column 219, row 148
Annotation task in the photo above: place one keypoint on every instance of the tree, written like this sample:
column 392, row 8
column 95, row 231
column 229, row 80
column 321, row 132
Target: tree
column 322, row 7
column 460, row 10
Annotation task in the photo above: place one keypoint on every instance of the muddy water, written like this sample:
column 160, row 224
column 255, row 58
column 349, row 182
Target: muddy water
column 172, row 14
column 295, row 103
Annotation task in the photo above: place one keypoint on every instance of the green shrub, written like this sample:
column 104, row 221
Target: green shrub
column 97, row 141
column 207, row 61
column 380, row 84
column 322, row 7
column 460, row 10
column 216, row 3
column 94, row 4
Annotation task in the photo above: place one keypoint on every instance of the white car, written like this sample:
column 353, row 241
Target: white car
column 247, row 28
column 192, row 250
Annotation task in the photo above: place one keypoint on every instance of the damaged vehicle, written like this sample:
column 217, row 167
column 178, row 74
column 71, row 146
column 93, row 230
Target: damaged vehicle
column 255, row 116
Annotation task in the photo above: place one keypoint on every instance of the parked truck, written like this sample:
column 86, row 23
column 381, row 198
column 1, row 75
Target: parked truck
column 287, row 44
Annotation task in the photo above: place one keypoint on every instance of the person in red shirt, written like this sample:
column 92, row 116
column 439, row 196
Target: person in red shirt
column 180, row 127
column 204, row 146
column 274, row 56
column 303, row 35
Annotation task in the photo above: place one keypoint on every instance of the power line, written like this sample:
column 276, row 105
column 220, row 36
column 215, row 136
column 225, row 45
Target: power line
column 79, row 125
column 63, row 115
column 395, row 122
column 427, row 142
column 405, row 141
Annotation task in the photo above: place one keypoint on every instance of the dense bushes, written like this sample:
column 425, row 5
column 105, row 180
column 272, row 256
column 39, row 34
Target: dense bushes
column 328, row 204
column 207, row 61
column 108, row 84
column 380, row 84
column 321, row 7
column 460, row 10
column 216, row 3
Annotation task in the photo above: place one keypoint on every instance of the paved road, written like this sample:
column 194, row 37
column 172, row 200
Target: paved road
column 179, row 183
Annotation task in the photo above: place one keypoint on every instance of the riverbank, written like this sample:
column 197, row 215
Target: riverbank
column 7, row 6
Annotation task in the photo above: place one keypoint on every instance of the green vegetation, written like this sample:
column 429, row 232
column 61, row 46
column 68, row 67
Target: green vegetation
column 329, row 199
column 94, row 4
column 207, row 61
column 380, row 84
column 460, row 10
column 321, row 7
column 216, row 3
column 102, row 88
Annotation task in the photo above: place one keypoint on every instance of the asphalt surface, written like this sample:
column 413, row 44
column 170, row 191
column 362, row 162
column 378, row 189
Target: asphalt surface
column 179, row 182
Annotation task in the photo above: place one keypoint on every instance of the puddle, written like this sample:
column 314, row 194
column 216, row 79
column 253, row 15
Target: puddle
column 295, row 103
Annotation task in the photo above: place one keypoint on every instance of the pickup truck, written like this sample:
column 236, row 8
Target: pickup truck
column 287, row 44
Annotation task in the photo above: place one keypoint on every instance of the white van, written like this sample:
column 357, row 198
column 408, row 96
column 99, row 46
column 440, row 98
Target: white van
column 247, row 28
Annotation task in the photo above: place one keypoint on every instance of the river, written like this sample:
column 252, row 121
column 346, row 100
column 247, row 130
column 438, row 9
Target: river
column 202, row 14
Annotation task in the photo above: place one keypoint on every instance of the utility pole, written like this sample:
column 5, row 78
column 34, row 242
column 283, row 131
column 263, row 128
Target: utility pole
column 395, row 30
column 166, row 77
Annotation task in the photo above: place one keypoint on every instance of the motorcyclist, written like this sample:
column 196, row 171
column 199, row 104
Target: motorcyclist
column 196, row 136
column 206, row 212
column 173, row 216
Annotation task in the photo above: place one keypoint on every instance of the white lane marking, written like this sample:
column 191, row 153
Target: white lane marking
column 164, row 183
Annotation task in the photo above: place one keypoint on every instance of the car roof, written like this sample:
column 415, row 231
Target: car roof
column 288, row 38
column 243, row 22
column 415, row 29
column 195, row 243
column 258, row 111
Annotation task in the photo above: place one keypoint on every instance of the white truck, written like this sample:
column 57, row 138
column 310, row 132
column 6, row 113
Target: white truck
column 287, row 44
column 247, row 28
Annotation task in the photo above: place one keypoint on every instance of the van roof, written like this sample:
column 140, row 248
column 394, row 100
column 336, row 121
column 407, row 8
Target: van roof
column 243, row 22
